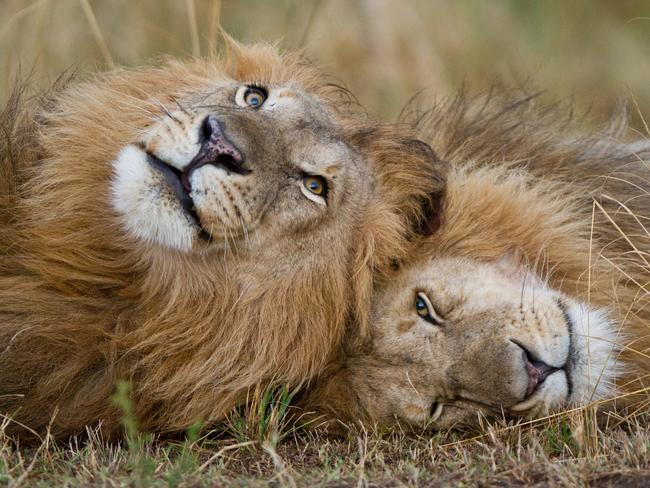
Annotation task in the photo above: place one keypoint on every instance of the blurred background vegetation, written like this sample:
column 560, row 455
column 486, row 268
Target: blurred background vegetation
column 596, row 51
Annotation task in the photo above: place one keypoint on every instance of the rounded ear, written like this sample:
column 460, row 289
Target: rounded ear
column 431, row 204
column 412, row 178
column 432, row 215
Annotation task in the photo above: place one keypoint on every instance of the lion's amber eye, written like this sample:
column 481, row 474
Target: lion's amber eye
column 421, row 307
column 425, row 310
column 316, row 185
column 254, row 96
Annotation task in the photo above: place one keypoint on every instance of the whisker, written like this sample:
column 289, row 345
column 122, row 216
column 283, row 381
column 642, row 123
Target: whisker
column 166, row 111
column 180, row 107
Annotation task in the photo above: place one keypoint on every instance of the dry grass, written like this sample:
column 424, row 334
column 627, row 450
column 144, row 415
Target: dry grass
column 384, row 51
column 572, row 450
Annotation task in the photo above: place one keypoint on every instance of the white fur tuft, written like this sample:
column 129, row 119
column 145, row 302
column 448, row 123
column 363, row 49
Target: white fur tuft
column 594, row 367
column 139, row 198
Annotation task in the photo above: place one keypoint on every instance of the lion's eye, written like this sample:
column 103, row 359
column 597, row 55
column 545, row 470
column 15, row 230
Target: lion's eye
column 315, row 188
column 425, row 310
column 254, row 97
column 251, row 96
column 421, row 307
column 315, row 184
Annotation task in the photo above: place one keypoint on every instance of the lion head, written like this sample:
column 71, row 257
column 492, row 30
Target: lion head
column 456, row 339
column 244, row 165
column 530, row 297
column 198, row 229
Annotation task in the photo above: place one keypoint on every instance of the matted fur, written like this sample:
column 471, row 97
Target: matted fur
column 83, row 305
column 574, row 207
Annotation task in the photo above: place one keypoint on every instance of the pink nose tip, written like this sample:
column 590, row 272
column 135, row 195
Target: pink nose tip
column 216, row 149
column 537, row 371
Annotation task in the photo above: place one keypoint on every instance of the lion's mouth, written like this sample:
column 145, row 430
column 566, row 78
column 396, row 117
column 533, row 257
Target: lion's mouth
column 174, row 178
column 542, row 371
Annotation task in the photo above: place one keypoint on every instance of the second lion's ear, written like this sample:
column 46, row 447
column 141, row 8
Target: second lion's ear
column 433, row 171
column 432, row 215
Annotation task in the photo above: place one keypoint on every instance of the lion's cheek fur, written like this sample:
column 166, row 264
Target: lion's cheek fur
column 147, row 208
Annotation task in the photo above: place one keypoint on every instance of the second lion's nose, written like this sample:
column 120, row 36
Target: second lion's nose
column 216, row 149
column 537, row 371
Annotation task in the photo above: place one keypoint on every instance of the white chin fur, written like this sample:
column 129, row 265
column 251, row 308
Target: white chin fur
column 140, row 200
column 593, row 365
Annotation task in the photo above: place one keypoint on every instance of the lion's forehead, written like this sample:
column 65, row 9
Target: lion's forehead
column 469, row 286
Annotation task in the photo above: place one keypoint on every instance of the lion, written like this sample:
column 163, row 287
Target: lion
column 196, row 228
column 529, row 299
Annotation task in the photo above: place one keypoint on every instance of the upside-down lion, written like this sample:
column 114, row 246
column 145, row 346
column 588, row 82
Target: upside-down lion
column 531, row 297
column 197, row 229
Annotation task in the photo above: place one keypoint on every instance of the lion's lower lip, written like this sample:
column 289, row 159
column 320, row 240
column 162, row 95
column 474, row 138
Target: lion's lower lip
column 533, row 400
column 173, row 177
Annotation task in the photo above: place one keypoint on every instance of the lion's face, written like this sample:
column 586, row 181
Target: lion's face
column 454, row 339
column 237, row 164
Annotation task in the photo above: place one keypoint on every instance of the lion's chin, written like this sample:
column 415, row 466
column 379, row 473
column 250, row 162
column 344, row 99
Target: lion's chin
column 593, row 366
column 152, row 205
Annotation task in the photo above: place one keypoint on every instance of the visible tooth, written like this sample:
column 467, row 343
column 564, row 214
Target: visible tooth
column 525, row 405
column 435, row 415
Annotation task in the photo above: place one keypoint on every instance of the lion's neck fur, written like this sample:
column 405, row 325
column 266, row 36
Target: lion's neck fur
column 155, row 320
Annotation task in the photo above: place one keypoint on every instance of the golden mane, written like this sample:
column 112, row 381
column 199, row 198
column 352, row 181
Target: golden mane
column 83, row 306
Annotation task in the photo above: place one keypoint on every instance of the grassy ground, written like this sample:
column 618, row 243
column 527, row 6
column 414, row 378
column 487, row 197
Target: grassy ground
column 570, row 450
column 384, row 50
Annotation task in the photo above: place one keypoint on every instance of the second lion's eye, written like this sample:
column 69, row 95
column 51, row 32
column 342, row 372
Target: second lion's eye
column 425, row 310
column 421, row 307
column 315, row 184
column 251, row 96
column 315, row 188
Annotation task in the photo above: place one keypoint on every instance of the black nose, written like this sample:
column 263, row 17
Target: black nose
column 216, row 149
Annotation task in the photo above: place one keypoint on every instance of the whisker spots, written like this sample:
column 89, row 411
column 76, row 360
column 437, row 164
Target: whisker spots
column 406, row 325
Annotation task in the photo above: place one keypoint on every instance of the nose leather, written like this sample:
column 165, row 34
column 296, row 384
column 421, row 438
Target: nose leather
column 216, row 149
column 537, row 371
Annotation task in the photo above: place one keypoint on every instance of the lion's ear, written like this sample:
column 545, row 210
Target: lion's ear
column 431, row 203
column 432, row 215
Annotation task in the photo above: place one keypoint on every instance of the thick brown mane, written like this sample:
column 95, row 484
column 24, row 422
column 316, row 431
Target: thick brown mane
column 82, row 305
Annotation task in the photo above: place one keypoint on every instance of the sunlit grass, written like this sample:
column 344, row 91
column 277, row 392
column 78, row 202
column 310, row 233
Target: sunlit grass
column 570, row 450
